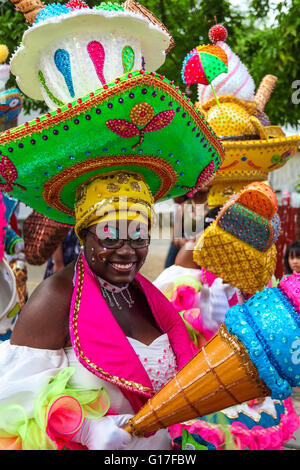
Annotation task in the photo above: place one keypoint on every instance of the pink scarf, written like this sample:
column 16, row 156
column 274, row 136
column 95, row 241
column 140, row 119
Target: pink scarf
column 101, row 346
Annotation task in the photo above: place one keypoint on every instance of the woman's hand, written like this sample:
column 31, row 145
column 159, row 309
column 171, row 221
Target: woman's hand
column 105, row 433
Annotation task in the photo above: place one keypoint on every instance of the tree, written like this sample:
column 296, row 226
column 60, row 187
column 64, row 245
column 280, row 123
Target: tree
column 275, row 50
column 264, row 49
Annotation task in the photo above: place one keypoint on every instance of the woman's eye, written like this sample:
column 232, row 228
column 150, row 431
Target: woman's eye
column 138, row 234
column 111, row 232
column 135, row 236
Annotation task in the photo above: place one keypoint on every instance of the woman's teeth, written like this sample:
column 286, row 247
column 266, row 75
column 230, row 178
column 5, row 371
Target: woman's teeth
column 122, row 266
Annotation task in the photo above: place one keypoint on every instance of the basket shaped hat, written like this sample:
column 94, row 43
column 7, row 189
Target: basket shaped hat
column 253, row 147
column 140, row 122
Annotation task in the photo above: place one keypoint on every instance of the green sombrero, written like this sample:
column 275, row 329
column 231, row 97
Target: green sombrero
column 139, row 122
column 134, row 121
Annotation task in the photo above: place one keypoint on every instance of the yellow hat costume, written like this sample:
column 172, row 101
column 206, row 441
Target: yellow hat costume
column 113, row 196
column 253, row 146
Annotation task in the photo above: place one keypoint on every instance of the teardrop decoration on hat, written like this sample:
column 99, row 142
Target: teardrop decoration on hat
column 97, row 55
column 63, row 63
column 128, row 58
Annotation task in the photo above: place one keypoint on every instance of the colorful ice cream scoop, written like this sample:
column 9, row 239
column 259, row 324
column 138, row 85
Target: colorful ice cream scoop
column 237, row 82
column 203, row 64
column 239, row 245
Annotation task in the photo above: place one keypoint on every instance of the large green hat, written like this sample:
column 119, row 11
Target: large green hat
column 140, row 122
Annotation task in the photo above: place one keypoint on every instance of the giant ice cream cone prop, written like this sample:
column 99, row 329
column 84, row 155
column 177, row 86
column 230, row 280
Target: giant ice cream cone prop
column 239, row 246
column 255, row 354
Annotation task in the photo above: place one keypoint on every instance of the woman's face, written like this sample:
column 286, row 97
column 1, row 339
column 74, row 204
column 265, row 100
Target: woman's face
column 294, row 262
column 116, row 265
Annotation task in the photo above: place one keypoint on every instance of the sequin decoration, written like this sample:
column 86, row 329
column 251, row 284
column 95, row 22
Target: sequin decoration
column 63, row 63
column 276, row 225
column 203, row 64
column 135, row 186
column 49, row 93
column 246, row 225
column 290, row 286
column 97, row 55
column 270, row 324
column 9, row 173
column 76, row 5
column 113, row 188
column 128, row 57
column 140, row 114
column 109, row 6
column 206, row 175
column 123, row 178
column 51, row 11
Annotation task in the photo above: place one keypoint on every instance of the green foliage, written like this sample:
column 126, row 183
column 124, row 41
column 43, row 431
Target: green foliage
column 189, row 23
column 264, row 49
column 275, row 50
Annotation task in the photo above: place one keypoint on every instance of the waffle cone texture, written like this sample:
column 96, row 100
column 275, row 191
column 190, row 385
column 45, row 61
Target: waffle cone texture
column 219, row 376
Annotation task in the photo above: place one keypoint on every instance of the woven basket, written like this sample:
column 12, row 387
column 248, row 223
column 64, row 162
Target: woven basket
column 41, row 237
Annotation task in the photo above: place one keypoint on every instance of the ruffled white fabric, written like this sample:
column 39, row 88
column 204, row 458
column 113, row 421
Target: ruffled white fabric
column 170, row 274
column 25, row 371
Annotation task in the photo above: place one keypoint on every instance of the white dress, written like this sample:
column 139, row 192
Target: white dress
column 25, row 371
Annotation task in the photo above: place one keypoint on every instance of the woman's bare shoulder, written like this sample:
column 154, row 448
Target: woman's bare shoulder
column 43, row 321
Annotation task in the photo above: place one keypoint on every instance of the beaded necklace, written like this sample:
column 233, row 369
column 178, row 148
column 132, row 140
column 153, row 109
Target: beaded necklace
column 109, row 292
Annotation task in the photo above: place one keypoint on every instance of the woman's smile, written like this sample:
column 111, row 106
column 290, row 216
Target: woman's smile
column 122, row 267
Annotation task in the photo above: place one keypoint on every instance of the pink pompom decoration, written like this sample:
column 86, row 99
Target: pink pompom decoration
column 217, row 33
column 289, row 285
column 194, row 318
column 183, row 297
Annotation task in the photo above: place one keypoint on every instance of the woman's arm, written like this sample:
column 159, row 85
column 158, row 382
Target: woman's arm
column 178, row 238
column 43, row 322
column 58, row 259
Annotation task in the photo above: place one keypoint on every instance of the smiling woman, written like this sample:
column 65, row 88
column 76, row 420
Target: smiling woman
column 96, row 340
column 102, row 320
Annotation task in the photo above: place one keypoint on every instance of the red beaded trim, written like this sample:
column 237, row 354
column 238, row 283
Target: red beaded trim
column 54, row 186
column 40, row 124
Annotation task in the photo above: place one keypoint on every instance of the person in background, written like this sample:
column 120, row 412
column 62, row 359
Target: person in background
column 176, row 244
column 292, row 258
column 66, row 252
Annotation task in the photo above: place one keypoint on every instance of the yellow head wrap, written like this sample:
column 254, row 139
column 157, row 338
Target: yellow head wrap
column 113, row 196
